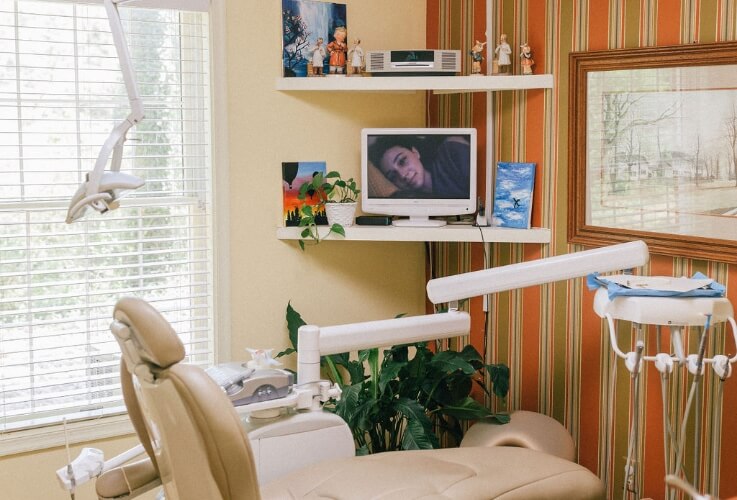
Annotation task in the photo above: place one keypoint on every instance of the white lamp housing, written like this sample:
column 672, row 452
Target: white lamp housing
column 537, row 272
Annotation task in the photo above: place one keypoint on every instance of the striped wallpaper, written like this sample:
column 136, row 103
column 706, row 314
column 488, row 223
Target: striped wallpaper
column 555, row 345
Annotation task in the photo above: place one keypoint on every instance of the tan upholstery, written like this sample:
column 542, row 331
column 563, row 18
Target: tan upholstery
column 128, row 480
column 453, row 473
column 526, row 429
column 133, row 479
column 203, row 452
column 156, row 339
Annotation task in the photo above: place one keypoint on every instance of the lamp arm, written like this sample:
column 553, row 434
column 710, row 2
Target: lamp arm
column 537, row 272
column 124, row 58
column 314, row 341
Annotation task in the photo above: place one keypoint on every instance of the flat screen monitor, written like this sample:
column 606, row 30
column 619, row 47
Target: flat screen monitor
column 418, row 172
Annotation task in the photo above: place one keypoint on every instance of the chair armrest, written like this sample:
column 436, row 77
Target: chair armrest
column 128, row 480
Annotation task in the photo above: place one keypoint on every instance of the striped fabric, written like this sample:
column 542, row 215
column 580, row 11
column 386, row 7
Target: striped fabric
column 556, row 347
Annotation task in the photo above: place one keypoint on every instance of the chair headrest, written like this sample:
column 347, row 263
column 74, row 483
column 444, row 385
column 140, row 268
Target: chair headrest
column 154, row 339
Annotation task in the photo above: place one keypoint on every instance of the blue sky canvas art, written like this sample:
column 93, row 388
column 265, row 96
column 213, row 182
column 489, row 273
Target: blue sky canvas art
column 303, row 22
column 513, row 195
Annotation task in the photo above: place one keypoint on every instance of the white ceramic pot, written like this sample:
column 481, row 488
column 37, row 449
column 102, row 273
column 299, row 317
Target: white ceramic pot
column 340, row 213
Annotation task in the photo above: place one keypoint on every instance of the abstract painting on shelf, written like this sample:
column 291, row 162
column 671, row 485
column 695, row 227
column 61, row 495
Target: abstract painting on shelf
column 513, row 190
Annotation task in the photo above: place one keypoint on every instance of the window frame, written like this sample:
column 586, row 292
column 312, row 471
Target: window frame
column 35, row 439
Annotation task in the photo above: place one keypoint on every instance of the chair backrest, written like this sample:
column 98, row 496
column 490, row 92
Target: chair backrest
column 200, row 446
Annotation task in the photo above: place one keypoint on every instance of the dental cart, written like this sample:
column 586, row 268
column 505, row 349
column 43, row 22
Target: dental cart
column 677, row 313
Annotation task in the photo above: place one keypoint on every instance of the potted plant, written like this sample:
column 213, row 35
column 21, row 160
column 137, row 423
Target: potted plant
column 413, row 397
column 338, row 197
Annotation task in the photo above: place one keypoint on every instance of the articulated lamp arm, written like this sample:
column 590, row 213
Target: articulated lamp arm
column 101, row 190
column 315, row 341
column 537, row 272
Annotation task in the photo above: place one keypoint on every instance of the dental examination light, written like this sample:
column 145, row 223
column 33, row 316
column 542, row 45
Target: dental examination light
column 101, row 190
column 537, row 272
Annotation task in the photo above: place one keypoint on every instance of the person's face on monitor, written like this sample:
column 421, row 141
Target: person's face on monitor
column 403, row 167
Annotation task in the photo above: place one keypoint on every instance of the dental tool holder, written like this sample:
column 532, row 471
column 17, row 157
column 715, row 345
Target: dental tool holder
column 675, row 313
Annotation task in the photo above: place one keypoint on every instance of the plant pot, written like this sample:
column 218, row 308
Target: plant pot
column 340, row 213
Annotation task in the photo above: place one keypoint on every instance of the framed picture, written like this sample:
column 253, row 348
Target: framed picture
column 653, row 149
column 309, row 34
column 293, row 175
column 513, row 188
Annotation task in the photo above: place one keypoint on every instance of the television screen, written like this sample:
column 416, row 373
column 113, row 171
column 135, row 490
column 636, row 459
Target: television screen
column 419, row 172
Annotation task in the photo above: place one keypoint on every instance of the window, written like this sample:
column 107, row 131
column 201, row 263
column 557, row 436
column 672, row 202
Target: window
column 61, row 92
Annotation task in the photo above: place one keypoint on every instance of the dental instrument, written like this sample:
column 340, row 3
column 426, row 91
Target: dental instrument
column 102, row 190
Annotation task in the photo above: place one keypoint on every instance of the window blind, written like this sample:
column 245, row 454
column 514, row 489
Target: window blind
column 61, row 92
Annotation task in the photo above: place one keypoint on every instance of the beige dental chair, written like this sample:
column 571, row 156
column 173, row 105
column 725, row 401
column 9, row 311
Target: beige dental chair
column 202, row 451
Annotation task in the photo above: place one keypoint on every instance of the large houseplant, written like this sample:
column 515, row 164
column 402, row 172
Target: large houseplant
column 411, row 398
column 333, row 193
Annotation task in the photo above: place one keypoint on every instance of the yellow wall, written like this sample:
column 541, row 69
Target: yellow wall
column 334, row 282
column 32, row 476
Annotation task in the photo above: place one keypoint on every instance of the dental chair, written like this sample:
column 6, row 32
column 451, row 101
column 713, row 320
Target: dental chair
column 202, row 451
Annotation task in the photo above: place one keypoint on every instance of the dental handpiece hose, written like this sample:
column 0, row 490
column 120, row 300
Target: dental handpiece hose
column 694, row 386
column 629, row 469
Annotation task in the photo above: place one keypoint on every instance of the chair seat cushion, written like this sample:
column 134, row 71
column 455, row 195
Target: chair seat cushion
column 455, row 473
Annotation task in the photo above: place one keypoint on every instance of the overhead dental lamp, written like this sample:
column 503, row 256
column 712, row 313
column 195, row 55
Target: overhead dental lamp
column 101, row 190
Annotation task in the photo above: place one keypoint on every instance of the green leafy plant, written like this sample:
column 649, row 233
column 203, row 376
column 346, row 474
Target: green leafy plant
column 329, row 188
column 410, row 398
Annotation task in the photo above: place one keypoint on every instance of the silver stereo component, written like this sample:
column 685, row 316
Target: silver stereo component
column 413, row 62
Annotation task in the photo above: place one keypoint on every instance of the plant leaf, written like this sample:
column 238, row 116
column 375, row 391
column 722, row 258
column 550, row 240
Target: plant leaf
column 294, row 321
column 286, row 352
column 466, row 409
column 337, row 228
column 499, row 375
column 389, row 371
column 450, row 361
column 416, row 437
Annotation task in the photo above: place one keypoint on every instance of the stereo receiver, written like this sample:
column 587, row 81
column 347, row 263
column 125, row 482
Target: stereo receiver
column 413, row 62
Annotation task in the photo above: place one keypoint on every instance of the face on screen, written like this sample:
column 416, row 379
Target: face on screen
column 415, row 166
column 403, row 167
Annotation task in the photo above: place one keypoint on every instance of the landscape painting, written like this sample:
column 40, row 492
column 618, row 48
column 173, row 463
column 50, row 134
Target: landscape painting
column 513, row 190
column 303, row 22
column 294, row 174
column 653, row 149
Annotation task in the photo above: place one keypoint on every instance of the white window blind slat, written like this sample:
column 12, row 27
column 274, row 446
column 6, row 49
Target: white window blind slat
column 61, row 92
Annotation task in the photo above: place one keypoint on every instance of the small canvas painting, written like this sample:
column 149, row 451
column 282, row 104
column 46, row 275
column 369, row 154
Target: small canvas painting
column 294, row 174
column 513, row 195
column 303, row 23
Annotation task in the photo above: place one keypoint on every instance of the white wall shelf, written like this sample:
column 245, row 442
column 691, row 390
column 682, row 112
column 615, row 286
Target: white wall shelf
column 446, row 233
column 439, row 84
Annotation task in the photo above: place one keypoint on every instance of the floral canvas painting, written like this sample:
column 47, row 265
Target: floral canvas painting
column 513, row 195
column 294, row 174
column 303, row 23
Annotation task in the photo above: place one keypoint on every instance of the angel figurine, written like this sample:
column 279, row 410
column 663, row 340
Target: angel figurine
column 356, row 57
column 503, row 55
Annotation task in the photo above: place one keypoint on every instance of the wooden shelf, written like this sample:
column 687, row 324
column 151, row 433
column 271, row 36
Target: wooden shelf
column 439, row 84
column 455, row 233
